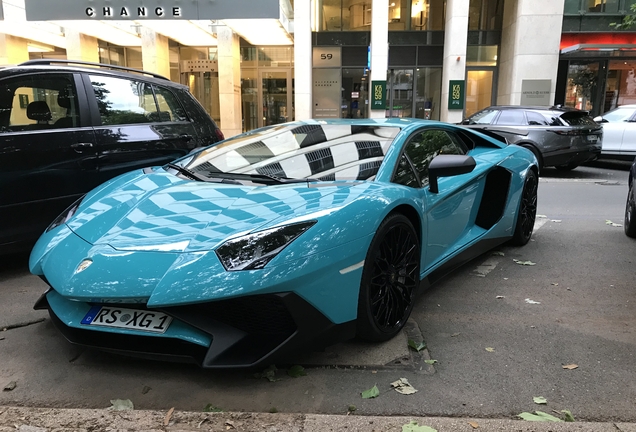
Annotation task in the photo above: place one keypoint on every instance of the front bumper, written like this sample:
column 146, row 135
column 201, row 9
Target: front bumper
column 248, row 331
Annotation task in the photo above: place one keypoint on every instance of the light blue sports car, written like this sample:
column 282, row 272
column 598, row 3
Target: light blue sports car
column 300, row 234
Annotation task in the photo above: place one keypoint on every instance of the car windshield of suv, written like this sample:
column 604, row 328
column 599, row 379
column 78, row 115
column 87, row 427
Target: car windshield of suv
column 297, row 151
column 618, row 115
column 482, row 117
column 577, row 118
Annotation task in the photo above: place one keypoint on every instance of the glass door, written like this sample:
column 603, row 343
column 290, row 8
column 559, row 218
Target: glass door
column 275, row 96
column 399, row 93
column 204, row 86
column 479, row 90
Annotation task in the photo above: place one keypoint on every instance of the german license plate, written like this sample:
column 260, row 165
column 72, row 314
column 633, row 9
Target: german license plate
column 592, row 138
column 132, row 319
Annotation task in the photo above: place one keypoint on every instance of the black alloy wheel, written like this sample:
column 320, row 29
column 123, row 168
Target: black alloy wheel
column 527, row 210
column 390, row 277
column 630, row 213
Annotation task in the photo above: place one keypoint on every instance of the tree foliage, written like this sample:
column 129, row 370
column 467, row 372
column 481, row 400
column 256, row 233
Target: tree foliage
column 629, row 20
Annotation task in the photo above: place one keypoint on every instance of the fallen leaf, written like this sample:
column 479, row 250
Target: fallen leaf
column 568, row 416
column 541, row 217
column 570, row 366
column 539, row 416
column 474, row 425
column 374, row 372
column 417, row 346
column 2, row 338
column 430, row 361
column 212, row 408
column 555, row 283
column 296, row 371
column 414, row 427
column 498, row 253
column 532, row 301
column 201, row 422
column 145, row 390
column 499, row 297
column 166, row 421
column 489, row 349
column 273, row 410
column 556, row 220
column 120, row 405
column 403, row 386
column 609, row 222
column 10, row 386
column 229, row 425
column 352, row 408
column 505, row 278
column 269, row 373
column 373, row 392
column 540, row 400
column 455, row 334
column 524, row 263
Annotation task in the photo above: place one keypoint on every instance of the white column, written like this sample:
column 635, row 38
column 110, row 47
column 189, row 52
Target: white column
column 13, row 50
column 379, row 48
column 229, row 56
column 81, row 47
column 455, row 40
column 530, row 44
column 155, row 52
column 302, row 60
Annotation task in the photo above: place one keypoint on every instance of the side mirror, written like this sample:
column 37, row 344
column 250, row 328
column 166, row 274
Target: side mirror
column 448, row 166
column 600, row 119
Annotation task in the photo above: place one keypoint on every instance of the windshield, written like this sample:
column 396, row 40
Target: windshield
column 482, row 117
column 618, row 115
column 299, row 151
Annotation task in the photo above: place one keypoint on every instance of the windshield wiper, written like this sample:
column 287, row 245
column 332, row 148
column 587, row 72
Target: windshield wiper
column 186, row 172
column 259, row 178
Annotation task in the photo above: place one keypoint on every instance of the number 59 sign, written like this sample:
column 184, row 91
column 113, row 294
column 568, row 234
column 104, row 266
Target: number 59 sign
column 456, row 94
column 378, row 95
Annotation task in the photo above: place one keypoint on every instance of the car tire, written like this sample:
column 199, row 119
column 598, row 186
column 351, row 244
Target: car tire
column 568, row 167
column 527, row 210
column 390, row 277
column 630, row 213
column 537, row 154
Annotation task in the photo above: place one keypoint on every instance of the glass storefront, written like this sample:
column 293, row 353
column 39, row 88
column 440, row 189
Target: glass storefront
column 354, row 93
column 581, row 85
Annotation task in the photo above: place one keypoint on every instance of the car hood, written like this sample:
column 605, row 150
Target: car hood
column 163, row 213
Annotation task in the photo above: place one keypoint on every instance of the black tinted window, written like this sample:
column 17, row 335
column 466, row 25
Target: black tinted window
column 405, row 175
column 169, row 107
column 38, row 102
column 577, row 119
column 536, row 119
column 424, row 146
column 512, row 117
column 123, row 101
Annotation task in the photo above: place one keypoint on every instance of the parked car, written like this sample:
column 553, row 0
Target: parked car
column 630, row 205
column 558, row 136
column 292, row 235
column 66, row 127
column 619, row 132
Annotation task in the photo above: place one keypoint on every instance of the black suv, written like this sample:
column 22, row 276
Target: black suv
column 558, row 136
column 66, row 127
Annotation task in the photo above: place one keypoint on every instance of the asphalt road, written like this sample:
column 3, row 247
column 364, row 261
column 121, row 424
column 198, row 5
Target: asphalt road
column 500, row 333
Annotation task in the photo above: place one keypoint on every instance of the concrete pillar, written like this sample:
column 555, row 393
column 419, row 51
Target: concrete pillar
column 229, row 59
column 81, row 47
column 154, row 52
column 13, row 50
column 455, row 40
column 379, row 48
column 302, row 60
column 520, row 58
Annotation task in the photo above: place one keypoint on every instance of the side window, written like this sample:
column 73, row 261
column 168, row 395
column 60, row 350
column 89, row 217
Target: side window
column 536, row 119
column 404, row 174
column 169, row 107
column 424, row 146
column 123, row 101
column 37, row 102
column 512, row 117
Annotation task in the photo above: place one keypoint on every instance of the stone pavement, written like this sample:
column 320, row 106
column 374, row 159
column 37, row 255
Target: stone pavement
column 22, row 419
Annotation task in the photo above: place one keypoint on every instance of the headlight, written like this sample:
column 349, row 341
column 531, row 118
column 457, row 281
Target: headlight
column 255, row 250
column 66, row 215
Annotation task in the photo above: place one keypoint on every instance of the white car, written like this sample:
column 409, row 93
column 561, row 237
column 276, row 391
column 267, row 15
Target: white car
column 619, row 132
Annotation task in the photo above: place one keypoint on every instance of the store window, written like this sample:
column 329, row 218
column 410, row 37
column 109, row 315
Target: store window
column 620, row 88
column 576, row 7
column 581, row 85
column 607, row 6
column 355, row 15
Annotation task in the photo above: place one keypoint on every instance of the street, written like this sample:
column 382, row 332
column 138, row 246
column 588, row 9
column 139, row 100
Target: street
column 555, row 318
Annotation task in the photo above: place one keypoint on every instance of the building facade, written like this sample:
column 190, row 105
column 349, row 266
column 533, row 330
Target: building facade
column 254, row 64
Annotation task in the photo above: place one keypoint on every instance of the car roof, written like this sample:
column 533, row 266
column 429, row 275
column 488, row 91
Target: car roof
column 86, row 67
column 534, row 107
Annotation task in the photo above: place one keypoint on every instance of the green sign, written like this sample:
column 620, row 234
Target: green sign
column 456, row 94
column 378, row 95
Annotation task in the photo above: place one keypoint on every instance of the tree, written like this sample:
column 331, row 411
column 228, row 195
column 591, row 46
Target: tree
column 629, row 20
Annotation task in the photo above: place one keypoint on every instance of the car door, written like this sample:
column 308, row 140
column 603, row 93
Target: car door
column 47, row 153
column 136, row 127
column 450, row 211
column 628, row 143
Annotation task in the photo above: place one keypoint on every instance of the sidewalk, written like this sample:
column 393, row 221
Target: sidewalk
column 14, row 419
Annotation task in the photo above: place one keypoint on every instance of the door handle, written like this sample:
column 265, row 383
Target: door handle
column 80, row 147
column 186, row 137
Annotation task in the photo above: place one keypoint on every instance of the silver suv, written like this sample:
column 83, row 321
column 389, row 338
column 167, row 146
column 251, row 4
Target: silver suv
column 558, row 136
